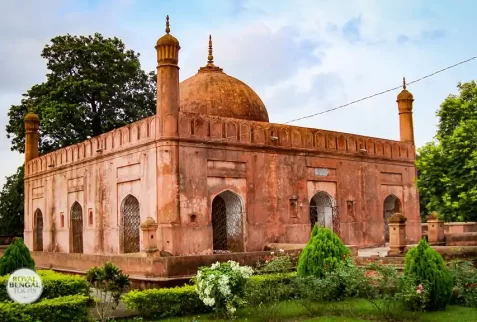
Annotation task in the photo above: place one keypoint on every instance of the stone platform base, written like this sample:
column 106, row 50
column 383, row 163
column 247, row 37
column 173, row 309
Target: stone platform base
column 154, row 271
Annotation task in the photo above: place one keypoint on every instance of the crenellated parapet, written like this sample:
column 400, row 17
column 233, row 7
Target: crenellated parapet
column 128, row 136
column 227, row 130
column 220, row 130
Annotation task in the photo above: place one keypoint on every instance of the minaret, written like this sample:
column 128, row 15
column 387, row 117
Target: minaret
column 32, row 136
column 167, row 134
column 404, row 100
column 167, row 110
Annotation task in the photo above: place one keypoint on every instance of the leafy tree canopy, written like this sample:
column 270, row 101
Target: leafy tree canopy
column 11, row 205
column 93, row 85
column 447, row 166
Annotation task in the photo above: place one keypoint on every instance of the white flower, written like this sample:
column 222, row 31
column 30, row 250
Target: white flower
column 214, row 266
column 282, row 251
column 209, row 301
column 272, row 253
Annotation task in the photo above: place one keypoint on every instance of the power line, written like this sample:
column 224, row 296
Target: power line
column 365, row 98
column 383, row 92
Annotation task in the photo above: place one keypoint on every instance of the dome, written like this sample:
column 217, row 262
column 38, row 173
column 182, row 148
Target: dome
column 212, row 92
column 32, row 117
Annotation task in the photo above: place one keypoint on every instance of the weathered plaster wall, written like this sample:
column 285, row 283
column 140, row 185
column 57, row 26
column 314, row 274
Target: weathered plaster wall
column 269, row 166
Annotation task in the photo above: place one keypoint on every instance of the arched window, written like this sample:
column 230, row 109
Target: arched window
column 38, row 231
column 130, row 225
column 323, row 211
column 77, row 227
column 227, row 227
column 392, row 205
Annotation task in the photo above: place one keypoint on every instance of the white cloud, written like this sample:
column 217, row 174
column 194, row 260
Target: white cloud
column 297, row 55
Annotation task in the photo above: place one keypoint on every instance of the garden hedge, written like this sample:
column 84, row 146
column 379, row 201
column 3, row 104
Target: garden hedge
column 54, row 285
column 165, row 302
column 72, row 308
column 177, row 301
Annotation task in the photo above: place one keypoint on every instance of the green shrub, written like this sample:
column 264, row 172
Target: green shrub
column 413, row 294
column 270, row 287
column 110, row 283
column 165, row 302
column 282, row 263
column 16, row 256
column 381, row 289
column 73, row 308
column 264, row 293
column 54, row 285
column 426, row 266
column 324, row 252
column 465, row 283
column 178, row 301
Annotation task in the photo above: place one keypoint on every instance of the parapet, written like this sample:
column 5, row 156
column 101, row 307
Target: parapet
column 228, row 131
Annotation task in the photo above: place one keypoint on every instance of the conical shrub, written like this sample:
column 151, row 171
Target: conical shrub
column 16, row 256
column 324, row 252
column 426, row 265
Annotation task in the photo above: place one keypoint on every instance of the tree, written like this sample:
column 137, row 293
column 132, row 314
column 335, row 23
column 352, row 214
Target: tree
column 93, row 85
column 448, row 165
column 425, row 265
column 16, row 256
column 324, row 253
column 11, row 205
column 109, row 283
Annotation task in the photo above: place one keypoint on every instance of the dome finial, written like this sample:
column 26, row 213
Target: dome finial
column 210, row 58
column 210, row 67
column 404, row 83
column 168, row 29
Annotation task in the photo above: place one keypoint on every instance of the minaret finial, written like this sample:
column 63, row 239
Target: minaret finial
column 404, row 83
column 168, row 29
column 210, row 58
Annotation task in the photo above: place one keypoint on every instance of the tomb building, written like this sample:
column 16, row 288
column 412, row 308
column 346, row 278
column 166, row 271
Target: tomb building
column 208, row 173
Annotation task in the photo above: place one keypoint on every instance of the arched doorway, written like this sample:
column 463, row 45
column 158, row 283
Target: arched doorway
column 38, row 231
column 130, row 225
column 227, row 226
column 77, row 227
column 392, row 204
column 324, row 212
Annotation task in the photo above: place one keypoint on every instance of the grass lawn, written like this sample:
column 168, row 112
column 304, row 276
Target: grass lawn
column 353, row 310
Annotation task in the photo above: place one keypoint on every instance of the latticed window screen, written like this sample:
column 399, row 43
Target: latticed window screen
column 391, row 205
column 227, row 223
column 77, row 227
column 38, row 221
column 324, row 213
column 130, row 225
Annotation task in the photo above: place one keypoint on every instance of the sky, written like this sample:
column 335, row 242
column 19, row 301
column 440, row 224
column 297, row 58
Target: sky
column 301, row 56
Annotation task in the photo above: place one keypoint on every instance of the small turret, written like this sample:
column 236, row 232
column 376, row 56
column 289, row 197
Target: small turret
column 32, row 136
column 404, row 100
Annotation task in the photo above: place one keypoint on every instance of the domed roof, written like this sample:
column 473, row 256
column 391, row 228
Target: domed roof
column 212, row 92
column 32, row 117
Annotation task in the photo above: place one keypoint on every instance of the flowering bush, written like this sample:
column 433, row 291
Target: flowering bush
column 221, row 286
column 414, row 295
column 465, row 282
